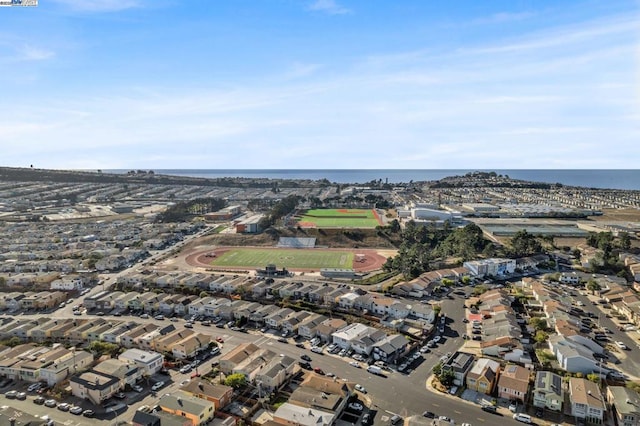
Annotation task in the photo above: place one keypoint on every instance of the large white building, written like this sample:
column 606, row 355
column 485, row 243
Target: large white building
column 148, row 362
column 358, row 337
column 494, row 267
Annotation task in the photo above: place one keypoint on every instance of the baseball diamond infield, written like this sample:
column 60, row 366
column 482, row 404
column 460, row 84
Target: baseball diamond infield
column 361, row 260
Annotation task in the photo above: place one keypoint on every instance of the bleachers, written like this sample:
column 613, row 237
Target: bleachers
column 294, row 242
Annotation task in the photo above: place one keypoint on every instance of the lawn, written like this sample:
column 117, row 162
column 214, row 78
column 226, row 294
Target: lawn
column 288, row 258
column 339, row 218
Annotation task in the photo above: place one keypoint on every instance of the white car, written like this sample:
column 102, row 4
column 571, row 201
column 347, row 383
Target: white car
column 34, row 387
column 157, row 386
column 354, row 364
column 621, row 345
column 137, row 388
column 356, row 406
column 316, row 349
column 360, row 388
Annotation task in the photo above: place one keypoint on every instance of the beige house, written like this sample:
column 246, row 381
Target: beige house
column 513, row 383
column 483, row 375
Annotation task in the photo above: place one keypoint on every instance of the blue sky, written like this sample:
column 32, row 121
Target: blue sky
column 311, row 84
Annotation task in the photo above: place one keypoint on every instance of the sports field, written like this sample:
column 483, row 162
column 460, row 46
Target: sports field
column 339, row 218
column 287, row 258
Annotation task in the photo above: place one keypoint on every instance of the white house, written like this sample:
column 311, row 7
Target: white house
column 68, row 283
column 147, row 361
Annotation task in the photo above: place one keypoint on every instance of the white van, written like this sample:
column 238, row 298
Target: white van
column 524, row 418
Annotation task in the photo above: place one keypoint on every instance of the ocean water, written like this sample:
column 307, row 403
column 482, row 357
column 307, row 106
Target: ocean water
column 605, row 179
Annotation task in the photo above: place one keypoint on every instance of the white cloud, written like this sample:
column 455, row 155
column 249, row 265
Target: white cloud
column 328, row 6
column 561, row 102
column 299, row 70
column 99, row 5
column 31, row 53
column 504, row 17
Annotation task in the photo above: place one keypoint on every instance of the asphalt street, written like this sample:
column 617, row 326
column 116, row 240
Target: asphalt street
column 404, row 394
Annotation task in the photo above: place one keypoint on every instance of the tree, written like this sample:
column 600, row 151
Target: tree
column 204, row 294
column 101, row 348
column 524, row 244
column 540, row 337
column 595, row 378
column 625, row 241
column 539, row 324
column 466, row 280
column 236, row 380
column 446, row 377
column 593, row 286
column 479, row 289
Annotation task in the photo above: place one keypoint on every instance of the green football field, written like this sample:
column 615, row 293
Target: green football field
column 287, row 258
column 339, row 218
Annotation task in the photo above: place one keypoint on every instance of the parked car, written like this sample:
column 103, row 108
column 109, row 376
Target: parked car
column 120, row 395
column 88, row 413
column 188, row 325
column 21, row 396
column 521, row 417
column 11, row 394
column 360, row 388
column 305, row 357
column 51, row 403
column 63, row 406
column 34, row 387
column 489, row 408
column 75, row 410
column 428, row 414
column 119, row 406
column 355, row 406
column 157, row 386
column 39, row 400
column 366, row 419
column 137, row 388
column 621, row 345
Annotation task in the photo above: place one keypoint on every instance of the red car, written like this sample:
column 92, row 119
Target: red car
column 219, row 340
column 318, row 370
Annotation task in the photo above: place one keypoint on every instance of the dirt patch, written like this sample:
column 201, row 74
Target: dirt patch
column 625, row 215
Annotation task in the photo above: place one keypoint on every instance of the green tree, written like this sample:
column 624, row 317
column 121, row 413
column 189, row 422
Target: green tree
column 595, row 378
column 593, row 286
column 540, row 337
column 479, row 289
column 539, row 324
column 236, row 380
column 625, row 241
column 466, row 280
column 524, row 244
column 204, row 294
column 102, row 348
column 446, row 377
